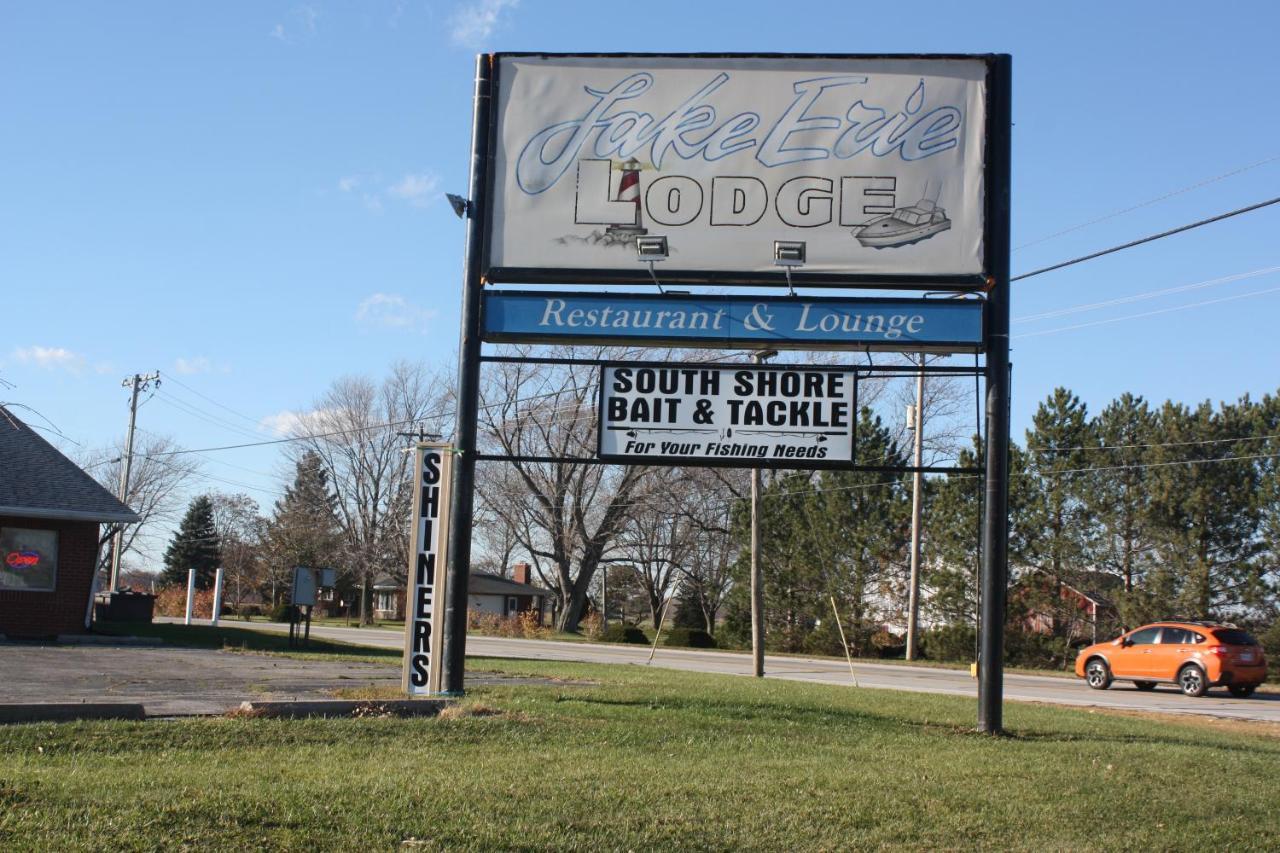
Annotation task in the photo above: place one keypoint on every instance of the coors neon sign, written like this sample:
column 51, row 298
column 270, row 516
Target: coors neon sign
column 875, row 164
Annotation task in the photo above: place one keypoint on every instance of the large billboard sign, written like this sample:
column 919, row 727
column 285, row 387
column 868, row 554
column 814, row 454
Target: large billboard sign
column 874, row 166
column 760, row 416
column 733, row 322
column 424, row 605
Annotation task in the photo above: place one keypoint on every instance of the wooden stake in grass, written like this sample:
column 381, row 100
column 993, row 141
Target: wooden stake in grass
column 843, row 641
column 661, row 621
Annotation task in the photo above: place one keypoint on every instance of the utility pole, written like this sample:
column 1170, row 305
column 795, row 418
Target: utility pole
column 995, row 519
column 139, row 383
column 757, row 580
column 917, row 488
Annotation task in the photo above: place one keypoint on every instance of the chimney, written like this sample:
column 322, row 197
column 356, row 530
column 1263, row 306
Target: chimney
column 520, row 572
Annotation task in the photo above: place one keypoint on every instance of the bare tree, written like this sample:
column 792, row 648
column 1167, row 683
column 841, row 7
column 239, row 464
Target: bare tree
column 657, row 540
column 708, row 570
column 567, row 515
column 241, row 533
column 157, row 490
column 358, row 431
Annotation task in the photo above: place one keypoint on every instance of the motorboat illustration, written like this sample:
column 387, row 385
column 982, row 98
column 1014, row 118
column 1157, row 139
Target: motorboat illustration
column 904, row 226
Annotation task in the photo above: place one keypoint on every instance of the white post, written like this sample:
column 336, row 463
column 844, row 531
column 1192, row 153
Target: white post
column 191, row 594
column 217, row 598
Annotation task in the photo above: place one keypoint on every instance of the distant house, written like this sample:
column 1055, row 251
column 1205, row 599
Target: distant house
column 1081, row 612
column 50, row 511
column 486, row 593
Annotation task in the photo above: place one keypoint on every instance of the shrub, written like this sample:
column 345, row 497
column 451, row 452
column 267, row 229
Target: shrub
column 1029, row 649
column 824, row 640
column 620, row 633
column 949, row 643
column 692, row 638
column 172, row 601
column 522, row 625
column 592, row 625
column 1270, row 640
column 281, row 612
column 886, row 644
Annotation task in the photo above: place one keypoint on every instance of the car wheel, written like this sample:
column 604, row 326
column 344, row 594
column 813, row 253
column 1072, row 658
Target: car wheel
column 1097, row 674
column 1242, row 691
column 1145, row 685
column 1192, row 681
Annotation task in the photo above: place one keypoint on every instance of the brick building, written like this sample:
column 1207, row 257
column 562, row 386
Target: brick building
column 50, row 512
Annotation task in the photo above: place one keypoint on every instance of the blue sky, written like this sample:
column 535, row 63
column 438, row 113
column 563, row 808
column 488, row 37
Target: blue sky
column 247, row 196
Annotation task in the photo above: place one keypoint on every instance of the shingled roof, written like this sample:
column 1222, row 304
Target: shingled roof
column 37, row 481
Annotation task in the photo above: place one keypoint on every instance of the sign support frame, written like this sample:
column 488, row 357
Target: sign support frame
column 995, row 521
column 458, row 563
column 997, row 372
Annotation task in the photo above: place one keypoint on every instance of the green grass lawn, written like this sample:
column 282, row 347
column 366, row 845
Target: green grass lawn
column 643, row 759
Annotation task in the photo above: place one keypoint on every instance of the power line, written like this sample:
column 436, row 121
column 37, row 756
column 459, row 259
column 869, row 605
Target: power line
column 1148, row 239
column 1150, row 294
column 253, row 421
column 1150, row 202
column 1110, row 320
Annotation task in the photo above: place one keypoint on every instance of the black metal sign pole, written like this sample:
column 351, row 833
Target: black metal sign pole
column 464, row 471
column 995, row 522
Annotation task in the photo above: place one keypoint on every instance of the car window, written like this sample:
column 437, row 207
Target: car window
column 1233, row 637
column 1175, row 637
column 1144, row 637
column 1196, row 638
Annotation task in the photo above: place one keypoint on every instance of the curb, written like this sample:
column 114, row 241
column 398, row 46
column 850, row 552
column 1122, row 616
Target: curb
column 60, row 711
column 344, row 708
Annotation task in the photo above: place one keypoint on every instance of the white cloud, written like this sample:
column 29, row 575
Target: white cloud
column 393, row 311
column 418, row 190
column 50, row 358
column 305, row 18
column 190, row 366
column 474, row 22
column 289, row 423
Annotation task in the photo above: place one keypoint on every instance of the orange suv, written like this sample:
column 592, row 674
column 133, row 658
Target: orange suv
column 1193, row 655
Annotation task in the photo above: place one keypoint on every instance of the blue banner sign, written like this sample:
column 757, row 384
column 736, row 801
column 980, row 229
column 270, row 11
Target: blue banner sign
column 734, row 322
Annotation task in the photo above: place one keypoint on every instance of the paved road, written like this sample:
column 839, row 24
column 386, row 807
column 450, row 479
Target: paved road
column 1027, row 688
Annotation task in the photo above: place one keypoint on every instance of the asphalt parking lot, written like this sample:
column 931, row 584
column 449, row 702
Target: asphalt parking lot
column 174, row 682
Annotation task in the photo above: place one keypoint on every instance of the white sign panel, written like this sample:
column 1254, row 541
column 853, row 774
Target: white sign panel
column 875, row 164
column 425, row 591
column 757, row 416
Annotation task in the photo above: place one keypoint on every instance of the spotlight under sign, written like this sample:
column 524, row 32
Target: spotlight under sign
column 864, row 168
column 758, row 416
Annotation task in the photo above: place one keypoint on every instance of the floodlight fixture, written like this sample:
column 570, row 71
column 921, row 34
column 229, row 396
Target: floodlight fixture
column 650, row 249
column 460, row 205
column 788, row 254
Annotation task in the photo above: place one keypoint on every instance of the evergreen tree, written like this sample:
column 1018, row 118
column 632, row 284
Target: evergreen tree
column 1267, row 448
column 304, row 530
column 952, row 544
column 1118, row 499
column 834, row 534
column 1205, row 504
column 1057, row 531
column 194, row 546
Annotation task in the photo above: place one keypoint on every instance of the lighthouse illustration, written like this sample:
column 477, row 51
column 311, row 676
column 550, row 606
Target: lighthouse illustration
column 629, row 190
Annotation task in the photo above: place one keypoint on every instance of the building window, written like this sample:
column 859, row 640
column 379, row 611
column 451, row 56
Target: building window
column 384, row 601
column 28, row 559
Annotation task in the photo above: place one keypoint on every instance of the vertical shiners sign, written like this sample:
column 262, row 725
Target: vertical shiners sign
column 425, row 590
